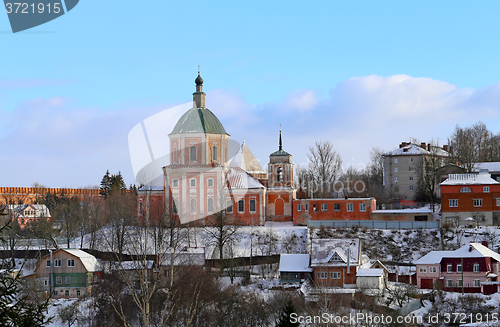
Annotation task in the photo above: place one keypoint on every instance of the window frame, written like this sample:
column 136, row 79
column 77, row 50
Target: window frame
column 192, row 205
column 324, row 207
column 465, row 189
column 475, row 268
column 396, row 169
column 210, row 205
column 350, row 207
column 57, row 263
column 254, row 205
column 453, row 203
column 449, row 269
column 306, row 207
column 299, row 207
column 48, row 263
column 459, row 268
column 422, row 269
column 362, row 207
column 193, row 154
column 460, row 282
column 210, row 182
column 486, row 189
column 241, row 202
column 67, row 279
column 71, row 263
column 175, row 183
column 433, row 269
column 449, row 283
column 335, row 275
column 336, row 207
column 191, row 184
column 322, row 275
column 214, row 153
column 477, row 282
column 478, row 203
column 58, row 280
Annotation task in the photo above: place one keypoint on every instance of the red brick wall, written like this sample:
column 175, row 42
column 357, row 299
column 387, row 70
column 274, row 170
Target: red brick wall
column 301, row 217
column 466, row 200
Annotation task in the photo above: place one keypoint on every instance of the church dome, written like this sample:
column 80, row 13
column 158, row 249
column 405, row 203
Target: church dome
column 199, row 120
column 199, row 80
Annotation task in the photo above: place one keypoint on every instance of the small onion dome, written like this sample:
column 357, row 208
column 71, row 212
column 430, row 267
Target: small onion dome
column 199, row 80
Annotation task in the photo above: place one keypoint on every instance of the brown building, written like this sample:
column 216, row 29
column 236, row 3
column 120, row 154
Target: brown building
column 29, row 195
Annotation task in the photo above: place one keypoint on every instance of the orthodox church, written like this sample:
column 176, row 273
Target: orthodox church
column 203, row 183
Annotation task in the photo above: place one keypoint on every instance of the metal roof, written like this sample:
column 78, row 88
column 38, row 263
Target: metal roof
column 238, row 178
column 294, row 263
column 245, row 160
column 468, row 179
column 323, row 250
column 199, row 120
column 413, row 149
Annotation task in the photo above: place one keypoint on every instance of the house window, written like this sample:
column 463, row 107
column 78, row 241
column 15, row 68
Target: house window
column 252, row 205
column 433, row 269
column 453, row 203
column 422, row 269
column 299, row 207
column 71, row 262
column 57, row 263
column 210, row 205
column 350, row 207
column 214, row 153
column 324, row 207
column 78, row 293
column 241, row 206
column 210, row 182
column 486, row 189
column 459, row 268
column 395, row 160
column 498, row 202
column 193, row 205
column 58, row 280
column 306, row 207
column 48, row 263
column 410, row 168
column 335, row 275
column 314, row 207
column 322, row 275
column 465, row 190
column 410, row 187
column 336, row 257
column 229, row 206
column 175, row 183
column 45, row 282
column 67, row 280
column 192, row 153
column 336, row 207
column 362, row 207
column 192, row 182
column 410, row 160
column 410, row 178
column 477, row 283
column 476, row 268
column 66, row 293
column 449, row 269
column 449, row 283
column 396, row 179
column 396, row 188
column 460, row 282
column 478, row 202
column 395, row 169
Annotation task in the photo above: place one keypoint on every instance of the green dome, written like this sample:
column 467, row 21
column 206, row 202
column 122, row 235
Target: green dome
column 199, row 120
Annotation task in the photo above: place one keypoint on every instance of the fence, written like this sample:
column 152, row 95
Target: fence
column 409, row 307
column 374, row 224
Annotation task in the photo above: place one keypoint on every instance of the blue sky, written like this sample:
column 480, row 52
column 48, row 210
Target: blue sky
column 361, row 74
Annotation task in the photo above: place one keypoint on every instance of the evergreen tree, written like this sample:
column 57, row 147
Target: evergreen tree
column 105, row 184
column 17, row 309
column 117, row 183
column 284, row 320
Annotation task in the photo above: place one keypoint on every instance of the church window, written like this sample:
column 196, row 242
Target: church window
column 192, row 182
column 279, row 174
column 193, row 205
column 214, row 153
column 175, row 183
column 192, row 153
column 210, row 205
column 241, row 206
column 175, row 205
column 252, row 205
column 210, row 182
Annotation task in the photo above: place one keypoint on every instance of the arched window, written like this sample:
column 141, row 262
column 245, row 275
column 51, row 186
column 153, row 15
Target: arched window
column 210, row 205
column 279, row 174
column 174, row 155
column 214, row 153
column 193, row 205
column 465, row 190
column 192, row 153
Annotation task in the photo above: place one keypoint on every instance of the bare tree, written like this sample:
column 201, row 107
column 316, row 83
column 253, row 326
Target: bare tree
column 324, row 169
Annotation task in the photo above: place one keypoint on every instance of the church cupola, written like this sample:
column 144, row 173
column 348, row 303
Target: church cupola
column 199, row 96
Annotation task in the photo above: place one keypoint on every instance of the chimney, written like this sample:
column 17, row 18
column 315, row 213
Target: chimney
column 445, row 147
column 423, row 145
column 485, row 243
column 403, row 144
column 470, row 248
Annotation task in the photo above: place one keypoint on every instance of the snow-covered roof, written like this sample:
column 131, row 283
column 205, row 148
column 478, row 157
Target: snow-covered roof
column 156, row 184
column 370, row 272
column 186, row 257
column 88, row 260
column 18, row 210
column 323, row 251
column 245, row 160
column 132, row 265
column 295, row 263
column 466, row 179
column 413, row 149
column 490, row 166
column 472, row 250
column 238, row 178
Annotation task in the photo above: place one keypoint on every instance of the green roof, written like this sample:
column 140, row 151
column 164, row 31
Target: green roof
column 280, row 153
column 199, row 120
